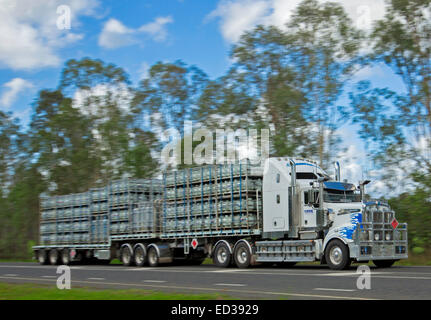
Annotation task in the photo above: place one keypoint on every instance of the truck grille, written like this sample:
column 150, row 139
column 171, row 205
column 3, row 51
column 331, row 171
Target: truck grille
column 376, row 234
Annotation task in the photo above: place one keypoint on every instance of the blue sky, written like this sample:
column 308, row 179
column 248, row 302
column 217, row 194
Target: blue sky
column 134, row 34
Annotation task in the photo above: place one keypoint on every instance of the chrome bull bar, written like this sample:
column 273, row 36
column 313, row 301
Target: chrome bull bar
column 380, row 241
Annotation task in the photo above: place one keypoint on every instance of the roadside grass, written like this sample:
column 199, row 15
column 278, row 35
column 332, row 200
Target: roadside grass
column 423, row 259
column 9, row 291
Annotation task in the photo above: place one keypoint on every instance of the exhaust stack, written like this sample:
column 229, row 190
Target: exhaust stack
column 337, row 171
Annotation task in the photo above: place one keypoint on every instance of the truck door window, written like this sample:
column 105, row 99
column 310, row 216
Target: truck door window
column 305, row 197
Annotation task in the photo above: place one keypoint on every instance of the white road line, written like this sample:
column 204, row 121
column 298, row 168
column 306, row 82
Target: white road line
column 230, row 284
column 349, row 274
column 98, row 279
column 228, row 270
column 154, row 281
column 332, row 289
column 10, row 275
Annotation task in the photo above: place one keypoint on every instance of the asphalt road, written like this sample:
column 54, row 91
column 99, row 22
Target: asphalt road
column 298, row 282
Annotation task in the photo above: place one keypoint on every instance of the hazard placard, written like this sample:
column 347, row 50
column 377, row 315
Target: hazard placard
column 194, row 243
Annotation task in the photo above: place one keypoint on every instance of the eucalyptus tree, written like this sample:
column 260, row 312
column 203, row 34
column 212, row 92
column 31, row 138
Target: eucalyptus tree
column 298, row 73
column 400, row 138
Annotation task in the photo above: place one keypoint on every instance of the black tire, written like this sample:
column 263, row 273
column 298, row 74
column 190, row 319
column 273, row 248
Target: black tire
column 42, row 257
column 384, row 263
column 126, row 256
column 65, row 257
column 222, row 257
column 140, row 256
column 242, row 255
column 54, row 257
column 153, row 257
column 337, row 255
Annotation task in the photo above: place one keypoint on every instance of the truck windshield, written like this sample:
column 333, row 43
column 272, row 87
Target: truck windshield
column 341, row 196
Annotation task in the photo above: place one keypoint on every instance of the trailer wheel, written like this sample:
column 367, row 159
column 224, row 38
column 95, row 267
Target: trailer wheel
column 126, row 255
column 242, row 255
column 65, row 257
column 140, row 255
column 53, row 257
column 42, row 257
column 153, row 257
column 337, row 255
column 383, row 263
column 222, row 256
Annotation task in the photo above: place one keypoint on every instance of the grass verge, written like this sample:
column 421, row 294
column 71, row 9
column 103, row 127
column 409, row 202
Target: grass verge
column 12, row 291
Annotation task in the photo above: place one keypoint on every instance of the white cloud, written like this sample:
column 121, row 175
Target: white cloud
column 157, row 29
column 13, row 88
column 238, row 16
column 29, row 35
column 115, row 34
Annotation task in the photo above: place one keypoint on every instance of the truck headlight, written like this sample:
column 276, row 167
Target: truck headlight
column 388, row 236
column 376, row 237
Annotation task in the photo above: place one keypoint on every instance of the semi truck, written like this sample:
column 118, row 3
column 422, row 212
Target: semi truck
column 286, row 211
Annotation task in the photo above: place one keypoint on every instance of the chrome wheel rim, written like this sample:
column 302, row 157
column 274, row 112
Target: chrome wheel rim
column 152, row 257
column 139, row 255
column 53, row 257
column 242, row 255
column 65, row 257
column 126, row 256
column 222, row 255
column 336, row 255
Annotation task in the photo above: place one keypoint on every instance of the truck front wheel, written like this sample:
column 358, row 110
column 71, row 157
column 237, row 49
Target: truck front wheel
column 222, row 256
column 337, row 255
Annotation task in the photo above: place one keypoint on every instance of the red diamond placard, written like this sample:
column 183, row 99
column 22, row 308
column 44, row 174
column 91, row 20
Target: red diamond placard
column 194, row 243
column 394, row 223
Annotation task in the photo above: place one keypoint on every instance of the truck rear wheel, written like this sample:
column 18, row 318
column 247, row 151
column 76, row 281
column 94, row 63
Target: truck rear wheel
column 337, row 255
column 222, row 256
column 383, row 263
column 42, row 257
column 65, row 257
column 140, row 255
column 153, row 257
column 53, row 257
column 126, row 255
column 242, row 255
